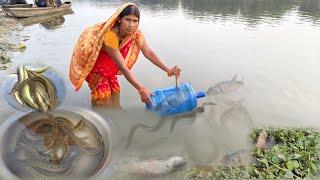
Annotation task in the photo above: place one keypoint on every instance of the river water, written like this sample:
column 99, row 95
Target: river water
column 273, row 45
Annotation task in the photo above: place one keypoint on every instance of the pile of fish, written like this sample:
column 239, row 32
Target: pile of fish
column 34, row 90
column 50, row 146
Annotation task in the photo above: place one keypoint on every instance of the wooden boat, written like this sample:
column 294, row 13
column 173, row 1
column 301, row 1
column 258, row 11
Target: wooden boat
column 40, row 19
column 24, row 12
column 17, row 6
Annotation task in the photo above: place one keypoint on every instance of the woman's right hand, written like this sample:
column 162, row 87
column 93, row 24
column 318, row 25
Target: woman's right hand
column 145, row 94
column 175, row 70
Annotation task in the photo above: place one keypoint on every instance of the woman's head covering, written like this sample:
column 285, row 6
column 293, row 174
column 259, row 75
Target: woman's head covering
column 88, row 47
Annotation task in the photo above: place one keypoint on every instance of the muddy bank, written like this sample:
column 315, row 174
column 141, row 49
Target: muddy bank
column 9, row 40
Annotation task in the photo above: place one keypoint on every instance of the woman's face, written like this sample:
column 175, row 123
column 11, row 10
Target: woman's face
column 129, row 24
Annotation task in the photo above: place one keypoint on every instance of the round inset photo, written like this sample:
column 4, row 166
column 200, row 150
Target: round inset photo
column 33, row 87
column 59, row 144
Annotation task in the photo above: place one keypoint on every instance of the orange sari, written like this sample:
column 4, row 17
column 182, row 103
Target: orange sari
column 89, row 62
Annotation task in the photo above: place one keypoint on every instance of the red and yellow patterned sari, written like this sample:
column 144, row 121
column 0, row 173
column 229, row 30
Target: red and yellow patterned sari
column 91, row 63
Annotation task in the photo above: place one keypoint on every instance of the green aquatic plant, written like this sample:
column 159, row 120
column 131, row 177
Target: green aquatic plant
column 295, row 155
column 5, row 61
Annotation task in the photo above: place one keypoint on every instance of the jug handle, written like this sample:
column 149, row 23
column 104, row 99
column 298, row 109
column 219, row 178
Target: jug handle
column 176, row 77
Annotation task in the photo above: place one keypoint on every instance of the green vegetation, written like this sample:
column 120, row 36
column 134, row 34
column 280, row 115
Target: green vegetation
column 5, row 61
column 295, row 155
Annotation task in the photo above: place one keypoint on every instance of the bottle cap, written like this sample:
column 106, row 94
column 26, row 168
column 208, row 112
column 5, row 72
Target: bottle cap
column 201, row 94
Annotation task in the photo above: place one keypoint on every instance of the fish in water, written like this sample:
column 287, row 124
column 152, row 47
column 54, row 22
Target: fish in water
column 153, row 168
column 191, row 114
column 225, row 87
column 162, row 120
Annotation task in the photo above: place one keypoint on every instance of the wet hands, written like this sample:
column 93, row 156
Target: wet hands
column 145, row 94
column 175, row 70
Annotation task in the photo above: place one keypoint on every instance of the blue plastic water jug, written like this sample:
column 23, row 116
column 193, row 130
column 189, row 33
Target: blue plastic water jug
column 173, row 100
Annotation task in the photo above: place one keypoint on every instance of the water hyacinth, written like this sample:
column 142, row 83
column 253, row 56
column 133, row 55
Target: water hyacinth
column 295, row 155
column 5, row 61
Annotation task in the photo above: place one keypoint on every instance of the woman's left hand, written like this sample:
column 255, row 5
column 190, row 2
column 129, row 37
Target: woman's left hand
column 175, row 70
column 145, row 95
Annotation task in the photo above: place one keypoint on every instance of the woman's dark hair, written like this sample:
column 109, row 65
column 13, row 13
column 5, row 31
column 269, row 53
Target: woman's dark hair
column 130, row 10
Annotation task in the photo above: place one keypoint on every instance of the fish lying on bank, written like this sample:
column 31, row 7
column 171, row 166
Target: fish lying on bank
column 261, row 141
column 34, row 90
column 153, row 168
column 243, row 157
column 225, row 87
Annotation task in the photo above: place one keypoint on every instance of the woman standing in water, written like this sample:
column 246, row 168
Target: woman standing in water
column 108, row 49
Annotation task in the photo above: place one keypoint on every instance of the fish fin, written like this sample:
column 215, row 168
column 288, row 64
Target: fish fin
column 234, row 77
